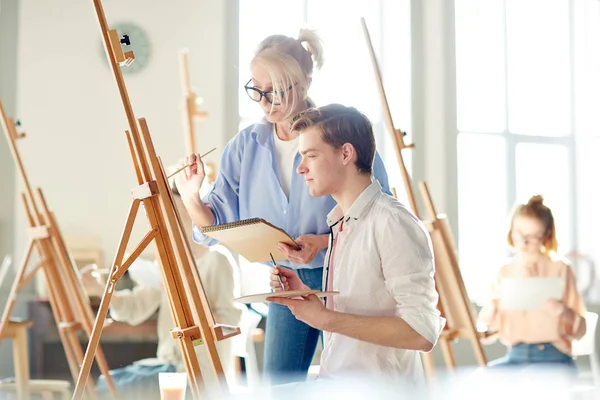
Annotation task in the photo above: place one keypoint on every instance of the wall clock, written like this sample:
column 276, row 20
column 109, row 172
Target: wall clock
column 140, row 45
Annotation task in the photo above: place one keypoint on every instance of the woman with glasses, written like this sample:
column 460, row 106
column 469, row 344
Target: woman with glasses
column 258, row 178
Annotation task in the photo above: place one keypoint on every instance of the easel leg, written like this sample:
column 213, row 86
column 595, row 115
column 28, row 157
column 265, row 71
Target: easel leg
column 448, row 353
column 103, row 365
column 79, row 356
column 73, row 365
column 94, row 337
column 14, row 291
column 479, row 354
column 428, row 365
column 88, row 359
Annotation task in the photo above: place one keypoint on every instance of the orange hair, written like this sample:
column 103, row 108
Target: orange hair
column 536, row 208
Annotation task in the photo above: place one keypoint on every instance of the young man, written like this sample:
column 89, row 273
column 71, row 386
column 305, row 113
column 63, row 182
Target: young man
column 380, row 258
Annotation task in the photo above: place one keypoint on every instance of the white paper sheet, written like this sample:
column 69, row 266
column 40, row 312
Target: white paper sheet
column 529, row 293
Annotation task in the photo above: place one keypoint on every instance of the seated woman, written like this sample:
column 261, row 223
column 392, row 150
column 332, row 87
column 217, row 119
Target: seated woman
column 540, row 336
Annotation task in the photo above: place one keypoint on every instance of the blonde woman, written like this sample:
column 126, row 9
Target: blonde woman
column 257, row 179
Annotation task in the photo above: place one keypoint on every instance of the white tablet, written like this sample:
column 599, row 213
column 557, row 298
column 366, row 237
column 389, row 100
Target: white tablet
column 529, row 293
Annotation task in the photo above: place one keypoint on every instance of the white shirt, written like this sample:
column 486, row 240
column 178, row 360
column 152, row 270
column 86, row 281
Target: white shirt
column 137, row 305
column 384, row 266
column 285, row 152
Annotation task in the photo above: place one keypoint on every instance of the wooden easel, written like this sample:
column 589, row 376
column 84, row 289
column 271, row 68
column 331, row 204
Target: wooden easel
column 454, row 299
column 191, row 113
column 454, row 304
column 397, row 134
column 68, row 301
column 188, row 303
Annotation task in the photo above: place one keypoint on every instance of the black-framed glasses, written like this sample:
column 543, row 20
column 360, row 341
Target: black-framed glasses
column 272, row 96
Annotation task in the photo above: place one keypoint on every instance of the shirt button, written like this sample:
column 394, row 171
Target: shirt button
column 541, row 347
column 285, row 211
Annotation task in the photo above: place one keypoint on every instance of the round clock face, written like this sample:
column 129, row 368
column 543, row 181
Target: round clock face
column 140, row 45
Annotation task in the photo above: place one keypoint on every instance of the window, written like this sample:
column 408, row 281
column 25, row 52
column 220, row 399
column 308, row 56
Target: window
column 528, row 80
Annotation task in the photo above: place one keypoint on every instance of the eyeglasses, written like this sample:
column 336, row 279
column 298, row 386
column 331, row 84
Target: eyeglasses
column 271, row 96
column 533, row 239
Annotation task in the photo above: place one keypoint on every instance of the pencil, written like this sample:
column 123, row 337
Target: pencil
column 278, row 275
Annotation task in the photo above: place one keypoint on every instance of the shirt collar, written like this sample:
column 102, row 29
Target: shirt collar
column 358, row 207
column 261, row 131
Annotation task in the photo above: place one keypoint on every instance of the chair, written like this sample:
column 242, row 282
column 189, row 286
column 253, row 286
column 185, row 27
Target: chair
column 46, row 388
column 586, row 346
column 22, row 386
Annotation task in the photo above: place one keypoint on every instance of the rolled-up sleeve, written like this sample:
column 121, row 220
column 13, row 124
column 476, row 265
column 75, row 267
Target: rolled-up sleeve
column 408, row 269
column 224, row 195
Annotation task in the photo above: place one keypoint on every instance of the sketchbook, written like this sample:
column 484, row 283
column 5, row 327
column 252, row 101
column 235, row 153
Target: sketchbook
column 529, row 293
column 254, row 239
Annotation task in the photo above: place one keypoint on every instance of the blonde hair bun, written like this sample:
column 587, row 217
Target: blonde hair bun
column 313, row 45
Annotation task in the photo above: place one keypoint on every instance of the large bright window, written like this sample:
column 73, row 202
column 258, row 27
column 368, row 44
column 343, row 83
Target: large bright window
column 528, row 84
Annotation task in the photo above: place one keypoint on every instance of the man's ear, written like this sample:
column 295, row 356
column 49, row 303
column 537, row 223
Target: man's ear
column 348, row 153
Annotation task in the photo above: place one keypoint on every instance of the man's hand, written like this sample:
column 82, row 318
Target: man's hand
column 310, row 245
column 289, row 277
column 309, row 310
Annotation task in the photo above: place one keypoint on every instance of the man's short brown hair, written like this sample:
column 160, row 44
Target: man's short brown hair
column 339, row 125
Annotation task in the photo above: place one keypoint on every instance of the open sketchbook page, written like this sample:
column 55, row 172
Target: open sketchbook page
column 529, row 293
column 253, row 238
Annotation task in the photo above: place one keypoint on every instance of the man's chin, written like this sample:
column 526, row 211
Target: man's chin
column 315, row 193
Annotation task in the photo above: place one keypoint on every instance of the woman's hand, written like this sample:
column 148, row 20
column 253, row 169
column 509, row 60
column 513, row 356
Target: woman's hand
column 310, row 245
column 189, row 181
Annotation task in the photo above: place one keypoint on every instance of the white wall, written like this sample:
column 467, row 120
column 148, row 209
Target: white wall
column 8, row 72
column 68, row 102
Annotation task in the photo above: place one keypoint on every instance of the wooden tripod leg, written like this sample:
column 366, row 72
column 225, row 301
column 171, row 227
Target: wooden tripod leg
column 14, row 291
column 478, row 350
column 75, row 287
column 71, row 361
column 429, row 364
column 69, row 340
column 73, row 339
column 67, row 324
column 88, row 359
column 94, row 338
column 448, row 353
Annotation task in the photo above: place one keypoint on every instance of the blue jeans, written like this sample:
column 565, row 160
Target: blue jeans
column 544, row 355
column 290, row 344
column 135, row 381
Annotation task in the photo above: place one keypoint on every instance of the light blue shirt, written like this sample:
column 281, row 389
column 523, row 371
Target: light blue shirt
column 248, row 187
